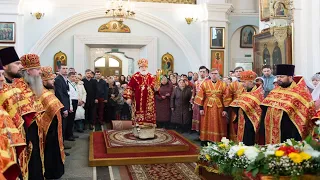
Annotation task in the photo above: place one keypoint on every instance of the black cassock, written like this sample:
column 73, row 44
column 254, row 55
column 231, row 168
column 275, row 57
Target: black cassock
column 54, row 167
column 287, row 128
column 249, row 133
column 35, row 163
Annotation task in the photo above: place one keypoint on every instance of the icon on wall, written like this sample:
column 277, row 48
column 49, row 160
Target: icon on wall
column 246, row 36
column 167, row 63
column 217, row 60
column 217, row 37
column 60, row 58
column 7, row 32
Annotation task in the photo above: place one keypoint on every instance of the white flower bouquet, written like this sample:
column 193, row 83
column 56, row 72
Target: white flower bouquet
column 291, row 159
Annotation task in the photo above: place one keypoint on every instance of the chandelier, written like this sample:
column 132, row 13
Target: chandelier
column 120, row 9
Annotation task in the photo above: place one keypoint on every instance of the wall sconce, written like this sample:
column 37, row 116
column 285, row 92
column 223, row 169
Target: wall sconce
column 189, row 20
column 40, row 7
column 38, row 15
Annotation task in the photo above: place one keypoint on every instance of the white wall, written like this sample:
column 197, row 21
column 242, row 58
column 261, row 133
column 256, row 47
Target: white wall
column 64, row 42
column 237, row 21
column 9, row 12
column 237, row 53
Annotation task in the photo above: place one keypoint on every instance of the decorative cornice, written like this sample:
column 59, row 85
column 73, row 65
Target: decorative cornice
column 146, row 18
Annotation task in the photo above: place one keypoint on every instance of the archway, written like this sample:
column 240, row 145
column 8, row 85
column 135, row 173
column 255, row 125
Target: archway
column 146, row 18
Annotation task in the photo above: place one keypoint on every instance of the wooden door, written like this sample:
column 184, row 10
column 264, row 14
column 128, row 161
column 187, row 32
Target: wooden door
column 109, row 65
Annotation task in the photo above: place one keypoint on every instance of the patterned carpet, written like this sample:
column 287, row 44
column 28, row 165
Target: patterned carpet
column 175, row 171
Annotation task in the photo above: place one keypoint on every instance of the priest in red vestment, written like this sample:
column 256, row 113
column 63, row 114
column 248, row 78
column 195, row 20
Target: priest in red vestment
column 287, row 110
column 247, row 108
column 12, row 142
column 31, row 88
column 141, row 94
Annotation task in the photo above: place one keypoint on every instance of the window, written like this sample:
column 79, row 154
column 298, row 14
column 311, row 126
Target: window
column 113, row 63
column 100, row 62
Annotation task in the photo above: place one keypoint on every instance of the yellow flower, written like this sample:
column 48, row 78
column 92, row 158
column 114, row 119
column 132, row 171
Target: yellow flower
column 222, row 145
column 305, row 156
column 279, row 153
column 296, row 157
column 240, row 152
column 208, row 157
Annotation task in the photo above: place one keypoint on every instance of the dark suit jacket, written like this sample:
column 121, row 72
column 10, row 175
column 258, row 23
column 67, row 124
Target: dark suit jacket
column 91, row 89
column 61, row 89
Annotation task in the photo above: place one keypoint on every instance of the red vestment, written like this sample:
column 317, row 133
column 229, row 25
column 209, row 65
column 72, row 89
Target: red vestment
column 53, row 106
column 248, row 103
column 214, row 97
column 196, row 117
column 141, row 91
column 296, row 102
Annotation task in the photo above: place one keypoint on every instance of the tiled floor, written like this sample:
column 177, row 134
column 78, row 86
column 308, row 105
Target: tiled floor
column 76, row 165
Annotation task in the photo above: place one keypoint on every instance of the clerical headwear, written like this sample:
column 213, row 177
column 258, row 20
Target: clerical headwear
column 30, row 61
column 47, row 73
column 285, row 69
column 143, row 62
column 248, row 76
column 8, row 55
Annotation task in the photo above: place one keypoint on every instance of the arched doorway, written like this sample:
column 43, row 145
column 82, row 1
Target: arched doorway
column 108, row 65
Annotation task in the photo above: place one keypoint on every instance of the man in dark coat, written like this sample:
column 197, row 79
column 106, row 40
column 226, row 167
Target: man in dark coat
column 90, row 85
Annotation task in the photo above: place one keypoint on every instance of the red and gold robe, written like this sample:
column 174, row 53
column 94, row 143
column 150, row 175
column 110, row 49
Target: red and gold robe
column 236, row 89
column 249, row 104
column 9, row 169
column 141, row 91
column 19, row 110
column 31, row 112
column 52, row 107
column 16, row 141
column 296, row 102
column 196, row 111
column 213, row 97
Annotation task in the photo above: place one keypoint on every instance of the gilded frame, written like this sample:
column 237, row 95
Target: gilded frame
column 217, row 60
column 60, row 58
column 265, row 10
column 242, row 44
column 217, row 37
column 11, row 27
column 167, row 63
column 267, row 51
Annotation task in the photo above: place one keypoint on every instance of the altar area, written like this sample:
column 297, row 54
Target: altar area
column 120, row 147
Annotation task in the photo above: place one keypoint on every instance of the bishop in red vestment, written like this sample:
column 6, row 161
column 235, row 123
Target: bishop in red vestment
column 141, row 94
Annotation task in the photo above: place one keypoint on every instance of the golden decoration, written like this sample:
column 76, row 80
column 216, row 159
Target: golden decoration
column 167, row 63
column 60, row 58
column 280, row 33
column 114, row 26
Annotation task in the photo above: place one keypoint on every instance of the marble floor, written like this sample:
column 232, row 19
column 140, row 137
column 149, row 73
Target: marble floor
column 76, row 165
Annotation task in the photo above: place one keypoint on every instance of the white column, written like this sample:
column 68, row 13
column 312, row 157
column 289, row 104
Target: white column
column 245, row 6
column 306, row 52
column 217, row 17
column 315, row 17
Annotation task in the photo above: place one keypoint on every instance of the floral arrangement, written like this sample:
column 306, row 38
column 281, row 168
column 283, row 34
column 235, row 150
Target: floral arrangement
column 291, row 158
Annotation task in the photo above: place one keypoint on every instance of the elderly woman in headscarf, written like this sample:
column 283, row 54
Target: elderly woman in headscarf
column 181, row 107
column 163, row 103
